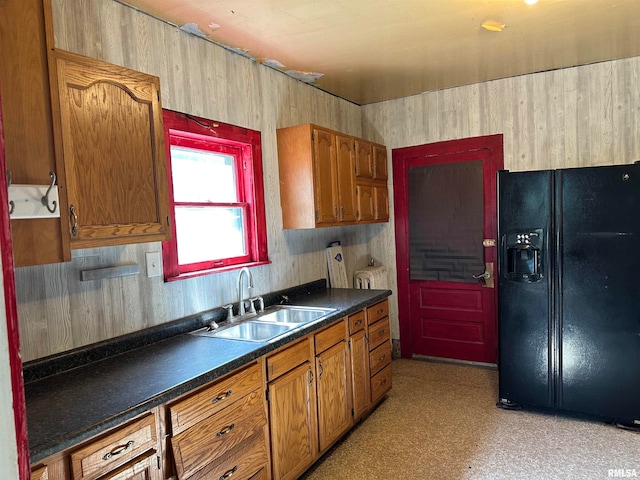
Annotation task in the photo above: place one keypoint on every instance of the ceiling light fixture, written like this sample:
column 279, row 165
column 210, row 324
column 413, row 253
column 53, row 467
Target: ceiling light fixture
column 530, row 2
column 493, row 26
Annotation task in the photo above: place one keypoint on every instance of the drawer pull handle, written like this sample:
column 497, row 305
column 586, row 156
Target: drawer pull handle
column 383, row 357
column 310, row 375
column 357, row 323
column 224, row 431
column 380, row 310
column 229, row 473
column 118, row 450
column 224, row 396
column 382, row 332
column 384, row 382
column 321, row 369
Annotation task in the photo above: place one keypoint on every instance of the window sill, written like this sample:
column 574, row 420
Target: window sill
column 228, row 268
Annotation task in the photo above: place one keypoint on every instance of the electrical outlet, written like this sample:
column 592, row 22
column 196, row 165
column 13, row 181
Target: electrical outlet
column 154, row 264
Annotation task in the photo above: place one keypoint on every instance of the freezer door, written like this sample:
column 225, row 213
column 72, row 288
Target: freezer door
column 524, row 288
column 599, row 302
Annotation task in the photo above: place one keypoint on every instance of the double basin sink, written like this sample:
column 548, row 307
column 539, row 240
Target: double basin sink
column 267, row 326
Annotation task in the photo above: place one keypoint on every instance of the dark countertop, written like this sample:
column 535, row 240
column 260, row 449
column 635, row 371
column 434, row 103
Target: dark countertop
column 69, row 407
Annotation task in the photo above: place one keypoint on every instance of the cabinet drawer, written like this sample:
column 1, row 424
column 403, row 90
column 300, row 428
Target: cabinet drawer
column 288, row 359
column 40, row 473
column 240, row 464
column 380, row 383
column 357, row 322
column 377, row 311
column 215, row 436
column 380, row 357
column 138, row 469
column 378, row 334
column 214, row 398
column 113, row 450
column 330, row 336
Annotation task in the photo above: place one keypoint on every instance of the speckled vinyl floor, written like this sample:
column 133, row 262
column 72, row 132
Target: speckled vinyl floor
column 440, row 422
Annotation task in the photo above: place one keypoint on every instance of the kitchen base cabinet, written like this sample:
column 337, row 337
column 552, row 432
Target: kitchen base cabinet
column 379, row 350
column 359, row 358
column 127, row 452
column 333, row 384
column 221, row 429
column 292, row 410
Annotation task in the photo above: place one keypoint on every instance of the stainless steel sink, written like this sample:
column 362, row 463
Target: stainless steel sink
column 253, row 331
column 268, row 325
column 293, row 314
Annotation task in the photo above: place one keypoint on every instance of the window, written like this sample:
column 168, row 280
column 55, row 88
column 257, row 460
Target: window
column 216, row 194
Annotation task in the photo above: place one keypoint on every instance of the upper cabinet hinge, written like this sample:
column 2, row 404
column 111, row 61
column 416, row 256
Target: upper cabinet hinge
column 168, row 223
column 266, row 394
column 158, row 93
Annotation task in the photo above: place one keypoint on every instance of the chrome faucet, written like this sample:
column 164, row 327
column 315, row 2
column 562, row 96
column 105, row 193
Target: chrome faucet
column 241, row 309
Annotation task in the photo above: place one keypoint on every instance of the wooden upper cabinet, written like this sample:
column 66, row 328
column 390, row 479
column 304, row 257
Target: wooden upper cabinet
column 345, row 168
column 319, row 173
column 380, row 162
column 25, row 34
column 109, row 135
column 325, row 174
column 364, row 159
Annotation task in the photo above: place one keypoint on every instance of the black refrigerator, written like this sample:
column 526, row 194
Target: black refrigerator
column 569, row 291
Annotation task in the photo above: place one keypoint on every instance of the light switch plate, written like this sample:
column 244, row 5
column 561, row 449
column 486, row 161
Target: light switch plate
column 154, row 264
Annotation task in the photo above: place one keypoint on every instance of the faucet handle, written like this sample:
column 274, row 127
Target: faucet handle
column 260, row 301
column 230, row 315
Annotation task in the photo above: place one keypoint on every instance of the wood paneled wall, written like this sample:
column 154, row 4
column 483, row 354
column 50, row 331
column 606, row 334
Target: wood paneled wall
column 57, row 311
column 583, row 116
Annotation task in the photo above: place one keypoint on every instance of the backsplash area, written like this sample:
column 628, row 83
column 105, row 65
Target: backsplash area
column 58, row 312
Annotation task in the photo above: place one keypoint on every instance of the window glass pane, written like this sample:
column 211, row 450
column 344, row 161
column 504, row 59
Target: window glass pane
column 209, row 233
column 201, row 176
column 446, row 218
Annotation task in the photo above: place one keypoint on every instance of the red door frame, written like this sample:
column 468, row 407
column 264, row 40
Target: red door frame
column 13, row 336
column 400, row 160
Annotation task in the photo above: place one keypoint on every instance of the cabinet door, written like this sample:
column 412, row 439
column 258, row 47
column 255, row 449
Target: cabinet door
column 324, row 161
column 334, row 394
column 346, row 186
column 381, row 200
column 360, row 373
column 109, row 125
column 365, row 203
column 293, row 422
column 379, row 162
column 364, row 159
column 28, row 131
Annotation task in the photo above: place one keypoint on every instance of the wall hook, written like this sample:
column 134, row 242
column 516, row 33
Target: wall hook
column 12, row 206
column 45, row 198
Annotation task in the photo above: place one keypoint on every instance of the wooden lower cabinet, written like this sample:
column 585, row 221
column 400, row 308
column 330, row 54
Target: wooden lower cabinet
column 333, row 383
column 379, row 335
column 220, row 431
column 271, row 419
column 293, row 421
column 360, row 376
column 139, row 469
column 334, row 398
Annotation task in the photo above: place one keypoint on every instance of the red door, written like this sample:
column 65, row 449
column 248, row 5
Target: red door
column 445, row 210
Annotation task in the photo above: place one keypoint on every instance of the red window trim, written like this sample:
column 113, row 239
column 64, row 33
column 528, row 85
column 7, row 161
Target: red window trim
column 195, row 129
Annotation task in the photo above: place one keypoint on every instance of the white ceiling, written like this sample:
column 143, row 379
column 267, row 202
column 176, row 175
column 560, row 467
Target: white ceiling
column 368, row 51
